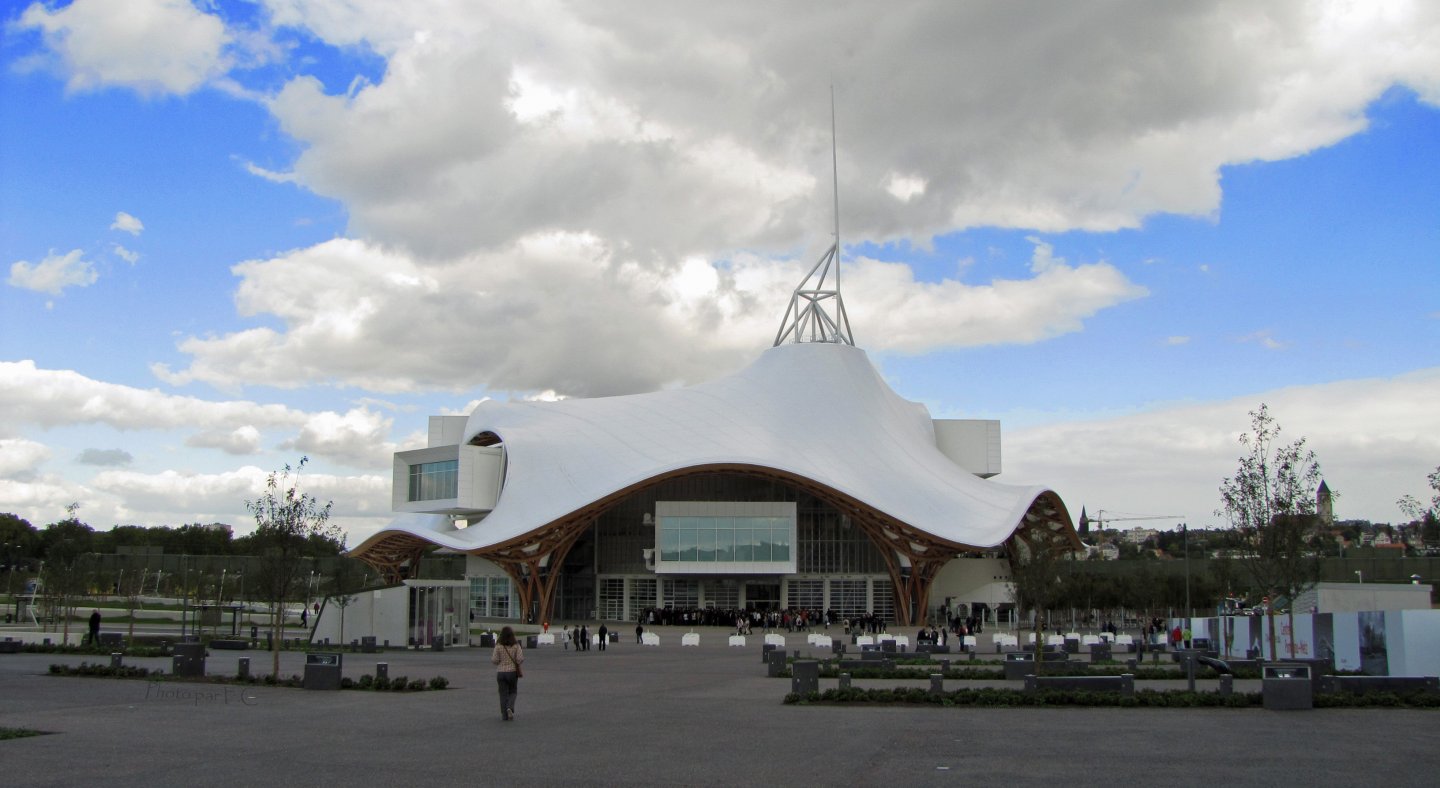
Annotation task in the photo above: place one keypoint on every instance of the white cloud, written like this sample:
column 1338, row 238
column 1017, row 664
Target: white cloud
column 21, row 458
column 126, row 223
column 1177, row 340
column 50, row 398
column 178, row 497
column 125, row 254
column 53, row 274
column 905, row 187
column 240, row 441
column 566, row 127
column 152, row 46
column 1375, row 439
column 356, row 438
column 30, row 396
column 503, row 320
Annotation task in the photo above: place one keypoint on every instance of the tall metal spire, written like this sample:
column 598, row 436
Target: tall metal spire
column 806, row 318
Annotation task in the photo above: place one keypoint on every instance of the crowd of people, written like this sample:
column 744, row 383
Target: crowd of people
column 747, row 621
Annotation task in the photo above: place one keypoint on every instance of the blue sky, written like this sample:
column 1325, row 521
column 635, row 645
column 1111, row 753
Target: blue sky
column 233, row 233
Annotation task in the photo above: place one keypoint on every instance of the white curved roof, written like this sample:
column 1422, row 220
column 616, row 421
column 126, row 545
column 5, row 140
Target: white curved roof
column 818, row 411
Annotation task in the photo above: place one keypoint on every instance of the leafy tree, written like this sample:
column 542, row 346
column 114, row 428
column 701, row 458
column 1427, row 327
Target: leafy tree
column 1270, row 502
column 1037, row 556
column 1429, row 516
column 69, row 564
column 285, row 521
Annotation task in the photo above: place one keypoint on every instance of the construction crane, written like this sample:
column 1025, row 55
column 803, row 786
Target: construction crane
column 1100, row 519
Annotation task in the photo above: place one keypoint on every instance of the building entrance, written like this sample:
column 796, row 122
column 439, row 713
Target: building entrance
column 762, row 596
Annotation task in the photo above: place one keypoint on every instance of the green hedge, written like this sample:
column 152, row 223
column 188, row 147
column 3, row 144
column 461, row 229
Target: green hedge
column 1005, row 697
column 366, row 682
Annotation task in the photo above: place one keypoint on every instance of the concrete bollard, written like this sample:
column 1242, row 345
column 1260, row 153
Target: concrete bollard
column 944, row 666
column 244, row 670
column 117, row 660
column 937, row 683
column 1227, row 686
column 844, row 681
column 382, row 671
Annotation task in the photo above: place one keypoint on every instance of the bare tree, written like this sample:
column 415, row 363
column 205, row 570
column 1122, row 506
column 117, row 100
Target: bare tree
column 1270, row 502
column 286, row 520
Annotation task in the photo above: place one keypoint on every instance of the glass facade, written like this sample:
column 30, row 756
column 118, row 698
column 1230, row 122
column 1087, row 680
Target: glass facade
column 806, row 594
column 724, row 539
column 612, row 598
column 490, row 597
column 434, row 481
column 849, row 598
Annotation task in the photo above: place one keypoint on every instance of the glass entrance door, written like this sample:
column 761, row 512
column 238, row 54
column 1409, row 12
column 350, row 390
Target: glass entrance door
column 762, row 596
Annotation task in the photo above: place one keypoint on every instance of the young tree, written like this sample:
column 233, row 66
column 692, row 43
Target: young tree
column 1270, row 502
column 347, row 578
column 1429, row 516
column 285, row 520
column 1037, row 555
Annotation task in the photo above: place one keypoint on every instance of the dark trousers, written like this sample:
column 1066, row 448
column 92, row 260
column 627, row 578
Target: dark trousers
column 509, row 688
column 602, row 642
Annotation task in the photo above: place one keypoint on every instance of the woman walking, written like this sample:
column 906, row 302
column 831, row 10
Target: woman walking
column 507, row 658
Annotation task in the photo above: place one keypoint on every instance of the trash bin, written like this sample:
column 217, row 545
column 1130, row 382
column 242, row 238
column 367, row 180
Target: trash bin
column 532, row 641
column 1018, row 665
column 322, row 671
column 487, row 639
column 805, row 676
column 775, row 663
column 1287, row 687
column 188, row 660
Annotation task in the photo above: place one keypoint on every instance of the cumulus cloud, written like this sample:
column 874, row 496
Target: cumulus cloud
column 241, row 440
column 53, row 274
column 30, row 396
column 126, row 223
column 357, row 437
column 153, row 46
column 177, row 497
column 1376, row 440
column 105, row 457
column 20, row 458
column 49, row 398
column 508, row 320
column 565, row 125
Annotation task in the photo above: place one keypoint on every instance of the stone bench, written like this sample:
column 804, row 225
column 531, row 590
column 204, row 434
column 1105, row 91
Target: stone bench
column 1361, row 685
column 1123, row 684
column 230, row 644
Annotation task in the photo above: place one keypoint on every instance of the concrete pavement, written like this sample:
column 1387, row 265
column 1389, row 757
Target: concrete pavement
column 653, row 716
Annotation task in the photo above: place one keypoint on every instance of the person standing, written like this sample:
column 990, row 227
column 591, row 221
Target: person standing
column 507, row 657
column 94, row 627
column 585, row 638
column 639, row 634
column 604, row 634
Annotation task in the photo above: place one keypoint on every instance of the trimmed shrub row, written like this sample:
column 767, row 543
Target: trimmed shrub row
column 1002, row 697
column 366, row 682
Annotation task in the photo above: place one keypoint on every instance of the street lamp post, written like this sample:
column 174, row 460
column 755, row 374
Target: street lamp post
column 1359, row 576
column 1185, row 545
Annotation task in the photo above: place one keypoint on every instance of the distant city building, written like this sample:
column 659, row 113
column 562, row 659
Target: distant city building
column 1324, row 505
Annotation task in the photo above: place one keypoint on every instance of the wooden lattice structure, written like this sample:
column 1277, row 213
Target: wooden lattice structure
column 913, row 557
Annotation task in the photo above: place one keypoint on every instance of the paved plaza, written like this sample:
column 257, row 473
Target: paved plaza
column 662, row 715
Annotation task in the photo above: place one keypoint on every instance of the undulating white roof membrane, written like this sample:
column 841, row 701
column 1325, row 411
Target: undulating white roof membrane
column 816, row 411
